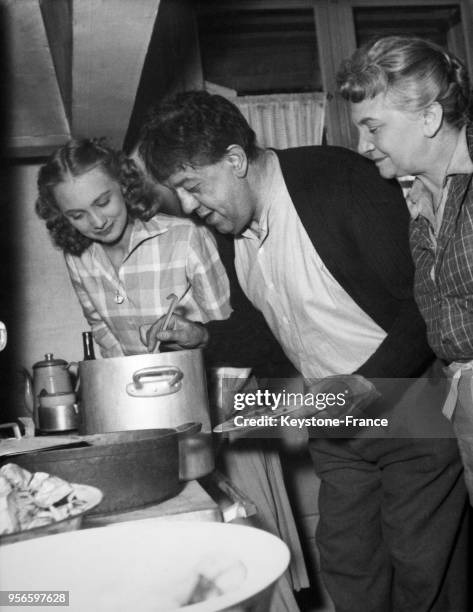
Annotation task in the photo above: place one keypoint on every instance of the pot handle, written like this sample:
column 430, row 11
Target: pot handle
column 154, row 387
column 187, row 429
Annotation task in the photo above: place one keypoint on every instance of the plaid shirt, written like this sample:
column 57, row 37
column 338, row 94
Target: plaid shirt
column 165, row 255
column 444, row 265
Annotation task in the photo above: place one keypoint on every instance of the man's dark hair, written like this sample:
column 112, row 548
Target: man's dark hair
column 193, row 128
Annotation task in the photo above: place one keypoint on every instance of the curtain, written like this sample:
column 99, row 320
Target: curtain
column 285, row 120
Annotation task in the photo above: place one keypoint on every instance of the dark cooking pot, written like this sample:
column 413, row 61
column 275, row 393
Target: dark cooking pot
column 143, row 392
column 131, row 468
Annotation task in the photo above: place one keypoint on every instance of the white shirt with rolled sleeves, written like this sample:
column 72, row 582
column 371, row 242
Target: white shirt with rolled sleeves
column 320, row 327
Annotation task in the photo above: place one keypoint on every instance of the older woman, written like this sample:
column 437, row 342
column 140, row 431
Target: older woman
column 123, row 258
column 411, row 100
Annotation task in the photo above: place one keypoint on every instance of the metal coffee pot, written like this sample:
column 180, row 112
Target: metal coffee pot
column 57, row 412
column 51, row 375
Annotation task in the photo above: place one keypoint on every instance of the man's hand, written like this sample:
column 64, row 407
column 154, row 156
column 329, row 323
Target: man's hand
column 181, row 334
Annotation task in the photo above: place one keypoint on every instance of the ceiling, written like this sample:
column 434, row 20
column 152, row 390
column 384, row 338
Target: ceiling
column 71, row 66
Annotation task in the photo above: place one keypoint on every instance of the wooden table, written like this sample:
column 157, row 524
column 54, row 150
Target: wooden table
column 192, row 503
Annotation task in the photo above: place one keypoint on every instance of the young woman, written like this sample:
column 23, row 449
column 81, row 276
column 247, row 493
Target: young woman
column 411, row 100
column 123, row 257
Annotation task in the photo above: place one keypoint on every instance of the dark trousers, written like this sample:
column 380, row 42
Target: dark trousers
column 393, row 530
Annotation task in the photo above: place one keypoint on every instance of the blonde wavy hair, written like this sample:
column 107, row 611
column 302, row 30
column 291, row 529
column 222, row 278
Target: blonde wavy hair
column 76, row 158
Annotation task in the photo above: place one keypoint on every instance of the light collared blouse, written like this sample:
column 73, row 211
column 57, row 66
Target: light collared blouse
column 165, row 255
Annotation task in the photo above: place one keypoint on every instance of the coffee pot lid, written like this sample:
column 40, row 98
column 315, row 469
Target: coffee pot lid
column 49, row 361
column 45, row 393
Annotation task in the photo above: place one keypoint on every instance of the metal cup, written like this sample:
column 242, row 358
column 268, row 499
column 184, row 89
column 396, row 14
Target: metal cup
column 58, row 412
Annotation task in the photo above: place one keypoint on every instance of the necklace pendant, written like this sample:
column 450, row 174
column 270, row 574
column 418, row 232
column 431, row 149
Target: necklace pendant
column 119, row 299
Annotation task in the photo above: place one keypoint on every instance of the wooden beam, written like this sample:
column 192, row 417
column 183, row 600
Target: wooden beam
column 336, row 41
column 110, row 41
column 173, row 62
column 467, row 27
column 34, row 146
column 33, row 108
column 185, row 51
column 57, row 17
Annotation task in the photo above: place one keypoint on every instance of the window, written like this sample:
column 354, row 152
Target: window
column 441, row 24
column 259, row 51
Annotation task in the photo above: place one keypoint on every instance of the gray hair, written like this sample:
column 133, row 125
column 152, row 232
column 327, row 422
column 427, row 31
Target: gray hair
column 414, row 73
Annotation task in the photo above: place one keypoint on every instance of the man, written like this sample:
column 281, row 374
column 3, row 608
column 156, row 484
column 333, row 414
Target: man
column 321, row 249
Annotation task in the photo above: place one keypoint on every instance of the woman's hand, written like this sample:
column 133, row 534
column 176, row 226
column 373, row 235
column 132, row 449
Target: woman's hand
column 181, row 334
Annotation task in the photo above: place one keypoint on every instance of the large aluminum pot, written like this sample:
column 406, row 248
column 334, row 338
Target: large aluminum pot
column 143, row 392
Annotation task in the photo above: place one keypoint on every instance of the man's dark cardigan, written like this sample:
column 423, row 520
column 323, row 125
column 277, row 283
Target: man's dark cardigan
column 358, row 223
